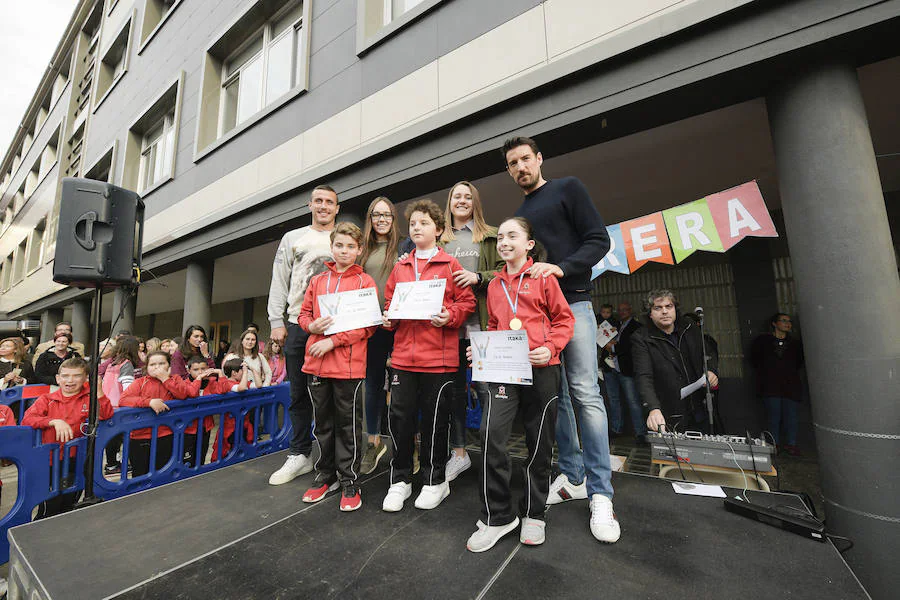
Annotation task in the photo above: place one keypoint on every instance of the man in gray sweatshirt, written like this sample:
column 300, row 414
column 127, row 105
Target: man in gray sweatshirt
column 301, row 255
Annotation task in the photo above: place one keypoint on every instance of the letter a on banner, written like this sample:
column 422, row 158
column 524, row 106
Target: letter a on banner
column 691, row 228
column 615, row 260
column 740, row 212
column 646, row 240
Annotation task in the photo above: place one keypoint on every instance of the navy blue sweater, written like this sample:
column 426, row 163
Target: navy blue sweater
column 567, row 223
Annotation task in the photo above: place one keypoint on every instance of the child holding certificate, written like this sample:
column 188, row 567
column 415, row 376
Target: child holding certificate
column 517, row 301
column 337, row 367
column 425, row 356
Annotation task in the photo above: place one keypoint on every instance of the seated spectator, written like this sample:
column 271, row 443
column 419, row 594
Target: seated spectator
column 49, row 361
column 247, row 349
column 63, row 326
column 15, row 369
column 194, row 343
column 59, row 415
column 275, row 355
column 152, row 391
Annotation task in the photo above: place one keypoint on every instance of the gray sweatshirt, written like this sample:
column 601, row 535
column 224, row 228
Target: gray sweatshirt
column 301, row 254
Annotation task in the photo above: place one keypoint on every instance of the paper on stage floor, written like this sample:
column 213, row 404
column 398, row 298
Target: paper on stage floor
column 693, row 387
column 698, row 489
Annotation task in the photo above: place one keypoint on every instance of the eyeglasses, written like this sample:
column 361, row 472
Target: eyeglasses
column 386, row 216
column 785, row 320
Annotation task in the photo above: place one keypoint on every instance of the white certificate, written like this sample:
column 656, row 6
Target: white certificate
column 417, row 300
column 501, row 357
column 353, row 309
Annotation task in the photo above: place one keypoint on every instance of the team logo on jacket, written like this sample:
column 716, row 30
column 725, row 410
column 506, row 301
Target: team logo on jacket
column 395, row 380
column 501, row 392
column 315, row 380
column 84, row 408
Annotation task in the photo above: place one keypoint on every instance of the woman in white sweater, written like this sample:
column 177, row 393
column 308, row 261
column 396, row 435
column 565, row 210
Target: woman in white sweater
column 247, row 348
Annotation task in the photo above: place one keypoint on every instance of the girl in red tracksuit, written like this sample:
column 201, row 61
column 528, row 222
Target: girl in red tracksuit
column 516, row 301
column 424, row 360
column 337, row 366
column 152, row 391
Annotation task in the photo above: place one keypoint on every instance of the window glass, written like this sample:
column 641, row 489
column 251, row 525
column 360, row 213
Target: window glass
column 278, row 75
column 244, row 56
column 229, row 119
column 250, row 87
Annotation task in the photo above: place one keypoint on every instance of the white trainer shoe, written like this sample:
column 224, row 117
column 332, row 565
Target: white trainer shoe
column 562, row 490
column 432, row 495
column 456, row 465
column 604, row 524
column 532, row 532
column 396, row 496
column 295, row 466
column 486, row 536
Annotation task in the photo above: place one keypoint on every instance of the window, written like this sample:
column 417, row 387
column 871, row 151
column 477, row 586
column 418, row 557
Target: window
column 157, row 153
column 18, row 201
column 155, row 14
column 263, row 70
column 114, row 63
column 103, row 168
column 48, row 156
column 19, row 263
column 379, row 19
column 7, row 273
column 151, row 144
column 36, row 246
column 258, row 63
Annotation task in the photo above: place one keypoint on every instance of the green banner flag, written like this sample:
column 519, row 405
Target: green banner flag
column 691, row 228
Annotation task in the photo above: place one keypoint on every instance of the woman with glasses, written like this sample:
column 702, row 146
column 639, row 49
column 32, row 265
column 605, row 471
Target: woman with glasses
column 381, row 238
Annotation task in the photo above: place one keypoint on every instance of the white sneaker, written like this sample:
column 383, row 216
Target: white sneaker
column 295, row 466
column 532, row 533
column 432, row 495
column 486, row 536
column 562, row 490
column 604, row 524
column 396, row 496
column 456, row 465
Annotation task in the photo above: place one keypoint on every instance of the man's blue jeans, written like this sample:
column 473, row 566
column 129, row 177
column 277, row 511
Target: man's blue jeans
column 580, row 388
column 781, row 413
column 616, row 383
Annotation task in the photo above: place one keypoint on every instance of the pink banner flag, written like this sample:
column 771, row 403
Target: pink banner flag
column 740, row 212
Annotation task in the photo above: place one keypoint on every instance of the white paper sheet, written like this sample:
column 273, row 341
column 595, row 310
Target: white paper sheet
column 501, row 357
column 353, row 309
column 417, row 300
column 698, row 489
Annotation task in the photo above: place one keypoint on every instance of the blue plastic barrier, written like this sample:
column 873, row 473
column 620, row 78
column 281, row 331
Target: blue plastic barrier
column 19, row 398
column 40, row 468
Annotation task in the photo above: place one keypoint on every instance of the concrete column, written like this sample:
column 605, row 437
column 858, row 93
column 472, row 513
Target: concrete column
column 123, row 296
column 848, row 291
column 81, row 324
column 49, row 319
column 198, row 295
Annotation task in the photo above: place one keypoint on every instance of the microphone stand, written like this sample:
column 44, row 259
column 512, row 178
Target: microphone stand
column 709, row 398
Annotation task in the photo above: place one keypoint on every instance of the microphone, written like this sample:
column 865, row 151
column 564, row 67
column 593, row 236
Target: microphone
column 699, row 311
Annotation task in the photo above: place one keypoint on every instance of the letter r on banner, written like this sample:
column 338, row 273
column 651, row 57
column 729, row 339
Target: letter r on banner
column 646, row 240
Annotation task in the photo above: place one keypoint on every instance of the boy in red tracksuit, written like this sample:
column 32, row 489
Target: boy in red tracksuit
column 198, row 373
column 59, row 415
column 152, row 391
column 424, row 361
column 7, row 419
column 518, row 301
column 337, row 366
column 235, row 377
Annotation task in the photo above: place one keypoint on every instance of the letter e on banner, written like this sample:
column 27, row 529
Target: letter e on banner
column 740, row 212
column 615, row 259
column 646, row 240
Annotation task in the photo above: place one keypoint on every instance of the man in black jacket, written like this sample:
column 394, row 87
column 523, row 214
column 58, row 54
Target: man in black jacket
column 620, row 380
column 668, row 356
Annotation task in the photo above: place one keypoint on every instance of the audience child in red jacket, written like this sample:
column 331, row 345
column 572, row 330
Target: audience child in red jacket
column 234, row 377
column 516, row 300
column 337, row 366
column 59, row 415
column 152, row 391
column 424, row 360
column 198, row 376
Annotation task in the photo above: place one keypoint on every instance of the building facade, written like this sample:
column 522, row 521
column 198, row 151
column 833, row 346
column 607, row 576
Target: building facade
column 224, row 114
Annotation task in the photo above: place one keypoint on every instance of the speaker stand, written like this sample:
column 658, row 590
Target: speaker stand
column 91, row 433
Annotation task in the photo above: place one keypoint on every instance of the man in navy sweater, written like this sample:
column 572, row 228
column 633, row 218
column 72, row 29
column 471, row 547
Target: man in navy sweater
column 567, row 223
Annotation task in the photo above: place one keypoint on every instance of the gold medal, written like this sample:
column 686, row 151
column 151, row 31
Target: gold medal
column 515, row 324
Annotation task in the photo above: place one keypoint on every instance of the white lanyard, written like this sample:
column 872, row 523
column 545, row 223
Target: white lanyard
column 415, row 261
column 328, row 283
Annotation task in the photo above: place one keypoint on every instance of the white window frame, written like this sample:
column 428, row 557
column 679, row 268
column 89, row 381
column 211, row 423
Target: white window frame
column 151, row 145
column 295, row 31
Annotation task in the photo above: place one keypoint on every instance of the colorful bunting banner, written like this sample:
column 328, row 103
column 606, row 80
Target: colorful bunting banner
column 712, row 224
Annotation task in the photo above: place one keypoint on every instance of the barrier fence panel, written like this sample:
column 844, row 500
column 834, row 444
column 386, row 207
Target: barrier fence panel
column 265, row 428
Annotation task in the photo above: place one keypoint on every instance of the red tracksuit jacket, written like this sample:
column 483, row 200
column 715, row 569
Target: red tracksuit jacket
column 543, row 310
column 144, row 389
column 348, row 359
column 71, row 409
column 419, row 345
column 225, row 386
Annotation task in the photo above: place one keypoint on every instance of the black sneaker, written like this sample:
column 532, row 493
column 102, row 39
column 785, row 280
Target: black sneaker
column 112, row 469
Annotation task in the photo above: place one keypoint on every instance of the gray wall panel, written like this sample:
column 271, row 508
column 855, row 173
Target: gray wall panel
column 336, row 56
column 331, row 24
column 461, row 21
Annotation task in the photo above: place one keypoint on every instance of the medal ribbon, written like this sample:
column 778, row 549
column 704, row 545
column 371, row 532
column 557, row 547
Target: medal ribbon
column 514, row 307
column 328, row 283
column 415, row 261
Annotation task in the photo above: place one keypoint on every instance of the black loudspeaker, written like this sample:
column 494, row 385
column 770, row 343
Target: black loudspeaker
column 100, row 234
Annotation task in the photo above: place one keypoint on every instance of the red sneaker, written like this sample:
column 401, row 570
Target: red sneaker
column 314, row 494
column 350, row 499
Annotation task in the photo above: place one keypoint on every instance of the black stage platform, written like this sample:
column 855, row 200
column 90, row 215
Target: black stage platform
column 228, row 534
